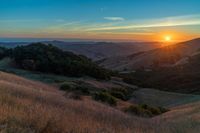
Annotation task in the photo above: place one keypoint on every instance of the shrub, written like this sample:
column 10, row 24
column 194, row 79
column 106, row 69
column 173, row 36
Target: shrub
column 163, row 110
column 144, row 106
column 82, row 89
column 154, row 110
column 75, row 89
column 133, row 109
column 65, row 87
column 145, row 110
column 106, row 98
column 75, row 96
column 121, row 93
column 137, row 110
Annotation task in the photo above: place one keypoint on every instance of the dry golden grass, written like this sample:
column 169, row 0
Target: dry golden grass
column 28, row 106
column 33, row 107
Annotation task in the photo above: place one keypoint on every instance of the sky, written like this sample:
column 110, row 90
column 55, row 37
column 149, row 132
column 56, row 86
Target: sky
column 141, row 20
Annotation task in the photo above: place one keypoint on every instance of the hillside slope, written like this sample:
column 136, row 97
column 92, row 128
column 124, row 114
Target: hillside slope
column 182, row 78
column 101, row 50
column 29, row 106
column 181, row 119
column 164, row 56
column 44, row 58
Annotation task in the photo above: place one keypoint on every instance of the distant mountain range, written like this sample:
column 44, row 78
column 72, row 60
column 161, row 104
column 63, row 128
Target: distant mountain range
column 96, row 50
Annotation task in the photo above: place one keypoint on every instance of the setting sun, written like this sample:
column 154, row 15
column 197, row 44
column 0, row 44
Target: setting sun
column 168, row 38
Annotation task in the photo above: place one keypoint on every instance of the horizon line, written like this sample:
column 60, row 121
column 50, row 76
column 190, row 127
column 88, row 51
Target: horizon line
column 38, row 39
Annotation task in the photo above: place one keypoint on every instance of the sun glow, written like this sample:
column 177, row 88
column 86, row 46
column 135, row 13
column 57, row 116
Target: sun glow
column 168, row 38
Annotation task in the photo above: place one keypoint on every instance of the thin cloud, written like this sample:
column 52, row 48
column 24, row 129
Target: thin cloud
column 153, row 23
column 114, row 18
column 129, row 33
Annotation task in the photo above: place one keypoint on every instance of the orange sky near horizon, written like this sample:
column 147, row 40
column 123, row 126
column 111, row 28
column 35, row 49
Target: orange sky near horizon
column 154, row 37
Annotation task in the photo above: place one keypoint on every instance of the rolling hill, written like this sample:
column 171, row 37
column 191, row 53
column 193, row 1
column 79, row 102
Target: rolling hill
column 21, row 99
column 181, row 77
column 30, row 106
column 165, row 56
column 101, row 50
column 61, row 111
column 50, row 59
column 95, row 50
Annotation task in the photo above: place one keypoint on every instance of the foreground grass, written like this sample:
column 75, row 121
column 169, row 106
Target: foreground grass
column 33, row 107
column 27, row 106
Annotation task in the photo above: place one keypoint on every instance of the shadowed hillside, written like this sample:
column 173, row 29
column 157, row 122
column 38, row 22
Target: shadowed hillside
column 50, row 59
column 182, row 78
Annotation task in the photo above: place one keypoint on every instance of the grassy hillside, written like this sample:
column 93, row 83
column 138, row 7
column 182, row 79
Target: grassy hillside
column 184, row 78
column 34, row 107
column 140, row 95
column 28, row 106
column 164, row 56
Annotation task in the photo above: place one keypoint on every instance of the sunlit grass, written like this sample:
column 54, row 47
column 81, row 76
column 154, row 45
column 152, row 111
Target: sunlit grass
column 28, row 106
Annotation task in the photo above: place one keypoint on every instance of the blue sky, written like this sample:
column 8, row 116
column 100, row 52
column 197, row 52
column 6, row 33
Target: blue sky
column 99, row 19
